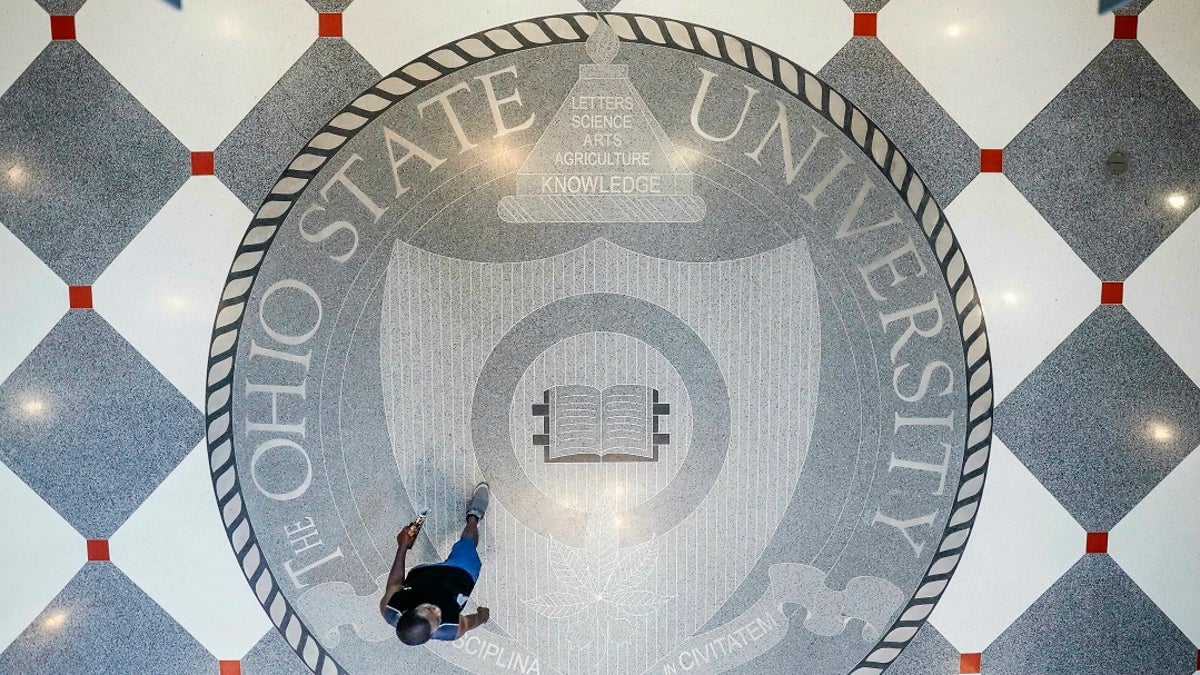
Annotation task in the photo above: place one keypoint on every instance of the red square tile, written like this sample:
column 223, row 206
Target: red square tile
column 969, row 663
column 329, row 24
column 202, row 164
column 1097, row 542
column 231, row 668
column 97, row 549
column 991, row 160
column 864, row 24
column 79, row 297
column 1125, row 27
column 1112, row 292
column 62, row 27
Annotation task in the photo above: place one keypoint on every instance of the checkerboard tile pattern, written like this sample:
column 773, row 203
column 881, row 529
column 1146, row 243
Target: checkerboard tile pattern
column 135, row 139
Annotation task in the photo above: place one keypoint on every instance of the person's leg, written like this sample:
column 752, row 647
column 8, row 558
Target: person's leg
column 465, row 552
column 471, row 530
column 479, row 501
column 475, row 510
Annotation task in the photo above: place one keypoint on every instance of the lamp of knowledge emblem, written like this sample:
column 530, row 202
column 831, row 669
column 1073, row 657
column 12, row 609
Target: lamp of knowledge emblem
column 689, row 312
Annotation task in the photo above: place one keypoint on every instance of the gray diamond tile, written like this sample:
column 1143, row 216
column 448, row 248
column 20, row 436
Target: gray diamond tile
column 1122, row 101
column 1134, row 7
column 599, row 5
column 61, row 6
column 98, row 165
column 866, row 6
column 91, row 426
column 942, row 153
column 273, row 656
column 1093, row 620
column 327, row 77
column 330, row 5
column 103, row 623
column 1103, row 419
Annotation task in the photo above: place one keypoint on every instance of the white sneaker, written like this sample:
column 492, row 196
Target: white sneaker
column 479, row 501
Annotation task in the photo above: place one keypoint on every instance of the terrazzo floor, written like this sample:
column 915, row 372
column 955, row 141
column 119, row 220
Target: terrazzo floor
column 424, row 316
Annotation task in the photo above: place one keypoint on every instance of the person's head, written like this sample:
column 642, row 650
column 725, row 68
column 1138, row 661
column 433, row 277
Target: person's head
column 417, row 624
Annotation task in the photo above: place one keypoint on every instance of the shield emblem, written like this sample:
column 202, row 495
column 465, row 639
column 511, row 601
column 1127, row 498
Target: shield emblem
column 557, row 336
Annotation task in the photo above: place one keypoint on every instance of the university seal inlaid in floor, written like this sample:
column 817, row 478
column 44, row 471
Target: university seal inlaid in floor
column 688, row 311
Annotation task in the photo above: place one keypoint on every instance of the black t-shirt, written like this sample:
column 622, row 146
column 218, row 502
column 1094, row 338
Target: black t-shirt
column 445, row 586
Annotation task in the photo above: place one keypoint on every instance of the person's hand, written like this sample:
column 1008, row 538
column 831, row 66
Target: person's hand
column 406, row 538
column 484, row 614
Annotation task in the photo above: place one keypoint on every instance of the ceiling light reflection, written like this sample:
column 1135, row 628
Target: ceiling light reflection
column 1176, row 201
column 54, row 621
column 1161, row 432
column 1010, row 298
column 16, row 174
column 954, row 30
column 33, row 407
column 689, row 156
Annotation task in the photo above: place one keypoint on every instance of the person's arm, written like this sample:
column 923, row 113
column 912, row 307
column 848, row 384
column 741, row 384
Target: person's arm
column 395, row 581
column 468, row 621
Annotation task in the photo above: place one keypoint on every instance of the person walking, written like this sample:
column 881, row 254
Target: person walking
column 427, row 602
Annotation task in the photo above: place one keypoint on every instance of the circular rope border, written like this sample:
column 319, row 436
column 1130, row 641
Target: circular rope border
column 567, row 28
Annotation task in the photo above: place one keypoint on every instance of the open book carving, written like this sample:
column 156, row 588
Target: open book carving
column 584, row 424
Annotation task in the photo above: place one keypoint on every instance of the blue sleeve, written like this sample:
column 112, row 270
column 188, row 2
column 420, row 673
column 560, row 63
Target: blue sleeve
column 446, row 631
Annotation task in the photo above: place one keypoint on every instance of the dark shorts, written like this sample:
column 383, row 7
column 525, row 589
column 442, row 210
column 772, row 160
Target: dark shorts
column 465, row 556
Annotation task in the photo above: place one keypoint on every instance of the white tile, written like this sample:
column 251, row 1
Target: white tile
column 1023, row 541
column 424, row 30
column 1167, row 29
column 994, row 64
column 33, row 303
column 174, row 548
column 161, row 292
column 809, row 33
column 24, row 32
column 41, row 553
column 199, row 70
column 1158, row 546
column 1164, row 295
column 1035, row 290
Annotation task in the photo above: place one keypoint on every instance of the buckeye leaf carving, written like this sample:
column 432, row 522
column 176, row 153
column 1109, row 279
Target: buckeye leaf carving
column 558, row 605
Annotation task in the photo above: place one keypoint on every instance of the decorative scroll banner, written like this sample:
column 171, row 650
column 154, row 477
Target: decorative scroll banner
column 484, row 651
column 335, row 605
column 828, row 612
column 870, row 600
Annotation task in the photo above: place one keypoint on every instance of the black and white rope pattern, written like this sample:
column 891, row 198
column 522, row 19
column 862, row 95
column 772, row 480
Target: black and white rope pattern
column 574, row 28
